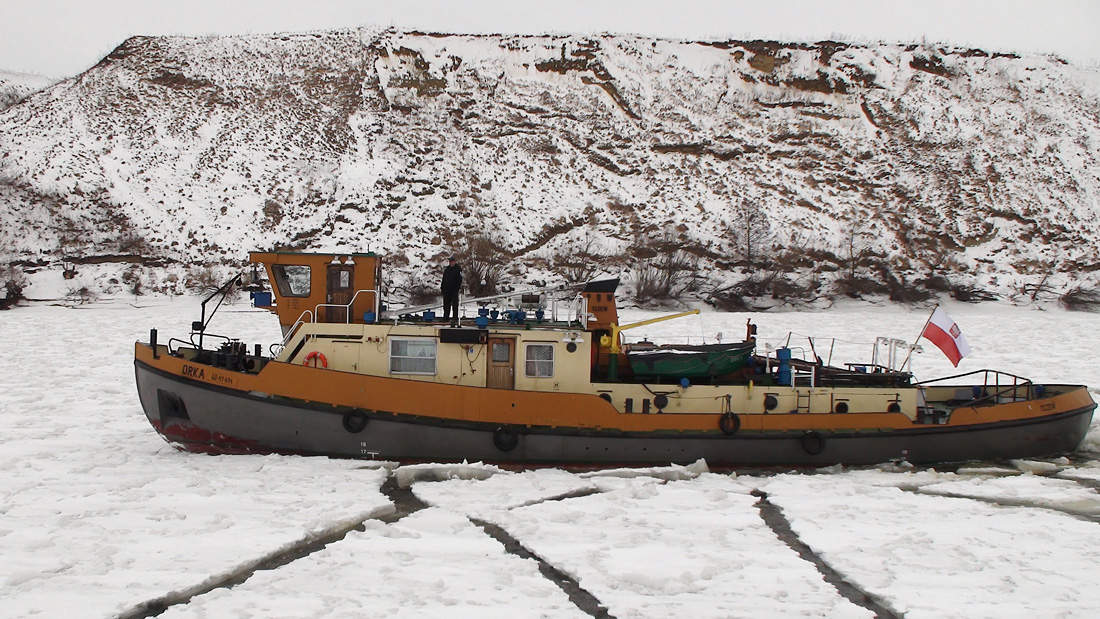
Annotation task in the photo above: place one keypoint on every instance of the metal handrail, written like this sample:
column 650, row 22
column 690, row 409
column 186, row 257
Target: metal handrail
column 347, row 307
column 416, row 309
column 294, row 327
column 1018, row 382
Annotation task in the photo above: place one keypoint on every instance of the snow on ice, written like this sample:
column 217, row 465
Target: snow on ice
column 100, row 517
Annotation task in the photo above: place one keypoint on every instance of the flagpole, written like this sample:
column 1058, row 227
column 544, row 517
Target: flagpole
column 920, row 335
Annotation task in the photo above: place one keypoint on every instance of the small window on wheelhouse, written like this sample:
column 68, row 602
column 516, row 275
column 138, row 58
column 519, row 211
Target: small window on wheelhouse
column 412, row 356
column 540, row 360
column 292, row 279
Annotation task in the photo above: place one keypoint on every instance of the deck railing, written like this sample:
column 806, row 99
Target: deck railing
column 995, row 379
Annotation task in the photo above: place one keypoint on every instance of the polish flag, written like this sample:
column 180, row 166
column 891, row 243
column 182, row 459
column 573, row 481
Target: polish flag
column 946, row 335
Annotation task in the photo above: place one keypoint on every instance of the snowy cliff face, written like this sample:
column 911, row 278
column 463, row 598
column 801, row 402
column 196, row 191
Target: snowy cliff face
column 888, row 161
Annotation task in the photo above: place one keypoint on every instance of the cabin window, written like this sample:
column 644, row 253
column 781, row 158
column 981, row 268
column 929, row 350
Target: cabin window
column 540, row 360
column 292, row 279
column 412, row 356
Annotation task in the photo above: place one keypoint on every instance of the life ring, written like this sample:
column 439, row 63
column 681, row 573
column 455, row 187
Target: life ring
column 315, row 357
column 355, row 421
column 505, row 439
column 813, row 443
column 729, row 423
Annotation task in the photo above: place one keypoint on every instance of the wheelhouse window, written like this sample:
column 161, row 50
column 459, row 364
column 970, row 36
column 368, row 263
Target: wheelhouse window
column 540, row 360
column 412, row 356
column 292, row 279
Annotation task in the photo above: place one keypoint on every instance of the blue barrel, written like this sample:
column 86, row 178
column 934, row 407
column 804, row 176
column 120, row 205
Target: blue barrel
column 369, row 317
column 260, row 299
column 784, row 357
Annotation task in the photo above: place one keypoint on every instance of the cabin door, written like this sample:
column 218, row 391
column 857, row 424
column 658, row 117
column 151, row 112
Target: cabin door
column 339, row 292
column 502, row 363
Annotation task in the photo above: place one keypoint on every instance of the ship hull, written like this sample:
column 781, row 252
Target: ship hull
column 202, row 417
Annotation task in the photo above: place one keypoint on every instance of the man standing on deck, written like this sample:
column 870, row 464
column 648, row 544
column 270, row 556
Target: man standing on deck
column 452, row 281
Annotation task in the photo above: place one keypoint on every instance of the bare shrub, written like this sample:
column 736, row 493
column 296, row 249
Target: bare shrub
column 1081, row 299
column 579, row 261
column 202, row 279
column 935, row 283
column 133, row 279
column 14, row 284
column 971, row 294
column 205, row 280
column 785, row 289
column 482, row 259
column 771, row 284
column 666, row 276
column 858, row 286
column 902, row 292
column 81, row 294
column 1038, row 291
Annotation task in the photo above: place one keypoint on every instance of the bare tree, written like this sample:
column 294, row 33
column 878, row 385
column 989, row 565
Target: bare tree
column 751, row 229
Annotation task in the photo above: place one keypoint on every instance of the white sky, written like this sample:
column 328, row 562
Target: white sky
column 59, row 38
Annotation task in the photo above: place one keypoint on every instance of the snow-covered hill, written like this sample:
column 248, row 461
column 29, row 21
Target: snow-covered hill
column 814, row 162
column 14, row 87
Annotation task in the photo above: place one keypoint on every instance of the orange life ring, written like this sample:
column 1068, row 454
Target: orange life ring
column 315, row 357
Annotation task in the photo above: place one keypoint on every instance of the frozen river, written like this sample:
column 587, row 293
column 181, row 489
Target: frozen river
column 101, row 518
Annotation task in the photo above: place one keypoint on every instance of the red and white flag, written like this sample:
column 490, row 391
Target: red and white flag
column 946, row 335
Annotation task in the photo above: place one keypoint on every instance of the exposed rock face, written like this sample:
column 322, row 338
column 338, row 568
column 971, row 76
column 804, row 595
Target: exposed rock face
column 917, row 160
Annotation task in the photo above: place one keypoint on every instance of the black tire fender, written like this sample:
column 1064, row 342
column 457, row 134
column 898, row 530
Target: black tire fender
column 505, row 438
column 812, row 442
column 729, row 424
column 355, row 421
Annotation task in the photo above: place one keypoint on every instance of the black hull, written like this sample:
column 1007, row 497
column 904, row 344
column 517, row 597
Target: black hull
column 204, row 418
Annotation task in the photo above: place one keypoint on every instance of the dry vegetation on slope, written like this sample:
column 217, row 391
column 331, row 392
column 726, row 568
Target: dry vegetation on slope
column 719, row 170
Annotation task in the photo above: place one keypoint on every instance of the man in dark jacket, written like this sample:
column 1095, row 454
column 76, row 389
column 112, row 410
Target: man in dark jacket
column 452, row 281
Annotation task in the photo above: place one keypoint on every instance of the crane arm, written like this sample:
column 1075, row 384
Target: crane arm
column 611, row 342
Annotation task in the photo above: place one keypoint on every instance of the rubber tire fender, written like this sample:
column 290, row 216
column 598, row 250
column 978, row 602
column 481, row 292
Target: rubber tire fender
column 812, row 442
column 729, row 424
column 355, row 421
column 505, row 438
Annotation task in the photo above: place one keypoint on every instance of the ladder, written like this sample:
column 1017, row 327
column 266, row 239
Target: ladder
column 802, row 401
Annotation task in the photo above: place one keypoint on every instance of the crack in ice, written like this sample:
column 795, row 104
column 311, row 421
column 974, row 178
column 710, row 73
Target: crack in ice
column 583, row 599
column 274, row 560
column 1090, row 516
column 773, row 516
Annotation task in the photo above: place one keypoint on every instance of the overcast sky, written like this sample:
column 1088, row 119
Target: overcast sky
column 59, row 38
